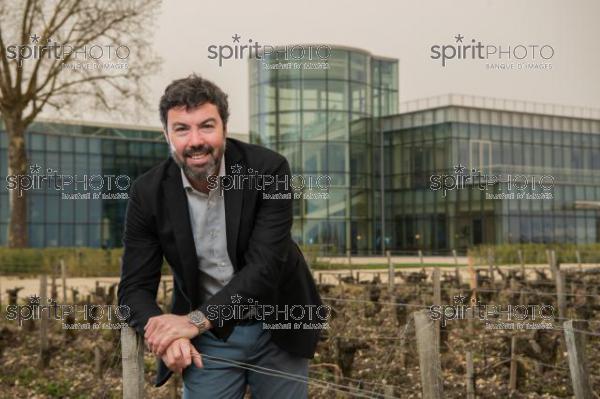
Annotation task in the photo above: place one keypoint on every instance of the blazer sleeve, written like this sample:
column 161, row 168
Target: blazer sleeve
column 141, row 264
column 265, row 257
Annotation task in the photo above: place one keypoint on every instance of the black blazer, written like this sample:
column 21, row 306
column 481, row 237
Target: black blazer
column 269, row 267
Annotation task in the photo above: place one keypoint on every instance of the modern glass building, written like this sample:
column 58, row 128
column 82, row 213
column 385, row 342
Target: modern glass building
column 343, row 122
column 521, row 148
column 307, row 115
column 81, row 152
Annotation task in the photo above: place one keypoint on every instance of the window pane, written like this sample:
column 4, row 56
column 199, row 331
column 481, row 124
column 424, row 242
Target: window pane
column 289, row 126
column 314, row 157
column 338, row 126
column 338, row 65
column 314, row 126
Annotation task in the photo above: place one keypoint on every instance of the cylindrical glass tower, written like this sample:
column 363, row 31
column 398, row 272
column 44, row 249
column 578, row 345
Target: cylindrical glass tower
column 306, row 115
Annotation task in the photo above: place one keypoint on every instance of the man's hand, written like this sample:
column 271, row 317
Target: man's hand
column 161, row 331
column 180, row 354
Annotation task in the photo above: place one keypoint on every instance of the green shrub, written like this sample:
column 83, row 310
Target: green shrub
column 535, row 253
column 79, row 261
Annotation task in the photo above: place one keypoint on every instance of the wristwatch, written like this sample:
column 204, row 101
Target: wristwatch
column 198, row 319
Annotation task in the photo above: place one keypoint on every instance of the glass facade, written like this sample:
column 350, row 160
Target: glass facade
column 76, row 150
column 516, row 146
column 308, row 116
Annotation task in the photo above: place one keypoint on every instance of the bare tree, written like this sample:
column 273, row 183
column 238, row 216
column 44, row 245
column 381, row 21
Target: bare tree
column 60, row 54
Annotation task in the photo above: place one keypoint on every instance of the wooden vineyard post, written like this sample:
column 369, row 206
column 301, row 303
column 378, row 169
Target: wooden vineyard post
column 512, row 382
column 164, row 295
column 53, row 289
column 349, row 257
column 457, row 277
column 456, row 271
column 473, row 284
column 402, row 355
column 473, row 277
column 578, row 256
column 551, row 256
column 470, row 376
column 560, row 284
column 561, row 294
column 577, row 360
column 63, row 276
column 437, row 289
column 44, row 355
column 513, row 285
column 437, row 297
column 429, row 356
column 455, row 258
column 522, row 263
column 132, row 352
column 391, row 272
column 491, row 265
column 174, row 386
column 97, row 361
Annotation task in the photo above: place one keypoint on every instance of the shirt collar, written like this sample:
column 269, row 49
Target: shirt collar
column 188, row 186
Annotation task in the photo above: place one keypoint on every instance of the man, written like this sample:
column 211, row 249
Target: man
column 234, row 264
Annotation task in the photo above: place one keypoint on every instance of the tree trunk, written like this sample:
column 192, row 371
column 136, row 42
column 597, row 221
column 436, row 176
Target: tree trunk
column 17, row 166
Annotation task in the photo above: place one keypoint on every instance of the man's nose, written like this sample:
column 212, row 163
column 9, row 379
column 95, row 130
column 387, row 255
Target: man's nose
column 197, row 138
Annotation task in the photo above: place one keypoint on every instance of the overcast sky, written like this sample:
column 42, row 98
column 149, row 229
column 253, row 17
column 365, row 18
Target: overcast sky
column 400, row 29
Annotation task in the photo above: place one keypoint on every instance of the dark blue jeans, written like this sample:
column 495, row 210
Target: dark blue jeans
column 248, row 344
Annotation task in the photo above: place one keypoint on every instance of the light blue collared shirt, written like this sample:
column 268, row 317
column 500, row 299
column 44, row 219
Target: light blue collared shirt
column 207, row 217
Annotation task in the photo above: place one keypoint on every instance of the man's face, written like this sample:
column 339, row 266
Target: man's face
column 196, row 139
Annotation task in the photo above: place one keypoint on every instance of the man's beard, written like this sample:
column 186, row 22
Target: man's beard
column 198, row 172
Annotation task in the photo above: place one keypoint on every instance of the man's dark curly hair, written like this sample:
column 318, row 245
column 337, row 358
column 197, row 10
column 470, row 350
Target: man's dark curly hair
column 190, row 93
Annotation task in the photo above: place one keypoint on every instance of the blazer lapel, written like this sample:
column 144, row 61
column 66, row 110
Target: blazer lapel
column 233, row 199
column 176, row 202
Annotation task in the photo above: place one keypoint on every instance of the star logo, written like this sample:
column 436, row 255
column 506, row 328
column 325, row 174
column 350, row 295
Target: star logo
column 236, row 168
column 35, row 168
column 34, row 299
column 236, row 298
column 236, row 38
column 459, row 298
column 459, row 169
column 34, row 38
column 459, row 38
